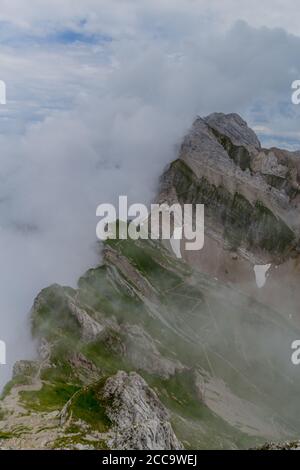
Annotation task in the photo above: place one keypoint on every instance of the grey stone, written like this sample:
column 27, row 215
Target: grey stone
column 140, row 421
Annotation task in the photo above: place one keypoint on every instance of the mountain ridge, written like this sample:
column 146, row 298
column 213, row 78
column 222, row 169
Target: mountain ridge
column 152, row 352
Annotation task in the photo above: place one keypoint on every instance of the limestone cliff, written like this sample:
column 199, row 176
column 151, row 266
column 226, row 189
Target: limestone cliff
column 252, row 206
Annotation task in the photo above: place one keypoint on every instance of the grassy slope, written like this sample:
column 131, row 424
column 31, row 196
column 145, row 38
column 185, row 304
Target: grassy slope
column 206, row 326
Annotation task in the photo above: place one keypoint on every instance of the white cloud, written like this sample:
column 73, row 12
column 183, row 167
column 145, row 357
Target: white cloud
column 121, row 17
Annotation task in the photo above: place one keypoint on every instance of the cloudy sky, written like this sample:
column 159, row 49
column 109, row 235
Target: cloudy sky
column 99, row 94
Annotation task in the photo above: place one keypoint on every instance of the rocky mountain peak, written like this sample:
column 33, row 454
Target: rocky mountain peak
column 252, row 200
column 235, row 128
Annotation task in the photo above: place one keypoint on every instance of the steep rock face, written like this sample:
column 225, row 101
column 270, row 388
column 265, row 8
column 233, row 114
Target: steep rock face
column 140, row 420
column 235, row 129
column 252, row 206
column 222, row 165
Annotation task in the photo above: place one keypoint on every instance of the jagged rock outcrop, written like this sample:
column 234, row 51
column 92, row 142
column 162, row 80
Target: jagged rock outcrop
column 26, row 368
column 139, row 419
column 86, row 371
column 90, row 328
column 141, row 351
column 235, row 129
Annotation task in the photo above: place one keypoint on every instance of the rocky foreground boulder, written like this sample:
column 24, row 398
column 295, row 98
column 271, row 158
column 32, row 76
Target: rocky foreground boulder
column 139, row 419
